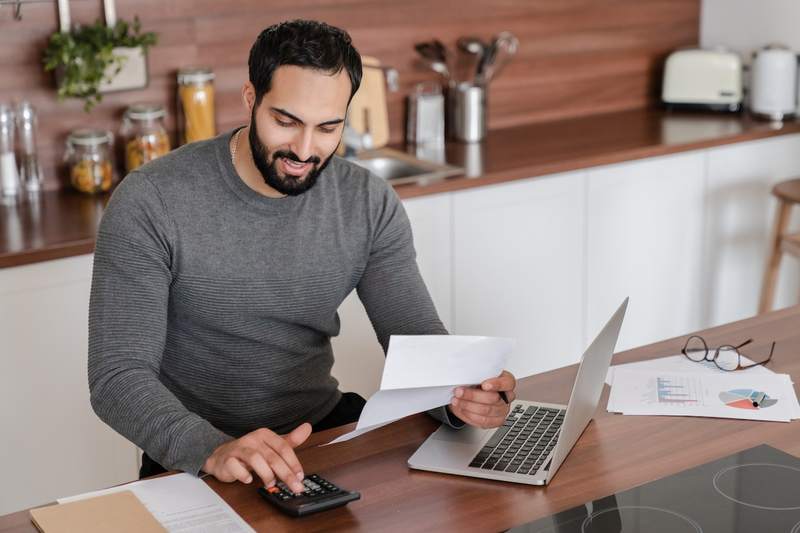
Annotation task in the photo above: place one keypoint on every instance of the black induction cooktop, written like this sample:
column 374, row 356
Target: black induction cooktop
column 753, row 491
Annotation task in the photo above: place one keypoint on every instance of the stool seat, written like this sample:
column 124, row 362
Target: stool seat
column 788, row 194
column 788, row 191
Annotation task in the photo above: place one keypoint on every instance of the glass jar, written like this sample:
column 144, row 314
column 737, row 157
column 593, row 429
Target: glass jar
column 144, row 134
column 196, row 104
column 88, row 158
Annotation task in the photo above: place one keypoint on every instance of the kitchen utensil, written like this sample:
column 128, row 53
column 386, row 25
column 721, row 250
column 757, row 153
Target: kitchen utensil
column 773, row 90
column 435, row 57
column 472, row 47
column 467, row 111
column 504, row 46
column 703, row 80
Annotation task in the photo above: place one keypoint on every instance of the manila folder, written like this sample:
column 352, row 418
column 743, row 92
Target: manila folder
column 121, row 512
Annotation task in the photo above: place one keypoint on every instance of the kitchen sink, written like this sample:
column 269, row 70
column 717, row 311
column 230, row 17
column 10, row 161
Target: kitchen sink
column 399, row 167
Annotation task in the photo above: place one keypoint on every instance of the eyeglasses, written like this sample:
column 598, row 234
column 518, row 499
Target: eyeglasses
column 726, row 357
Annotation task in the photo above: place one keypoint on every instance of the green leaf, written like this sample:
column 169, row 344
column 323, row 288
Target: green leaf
column 82, row 56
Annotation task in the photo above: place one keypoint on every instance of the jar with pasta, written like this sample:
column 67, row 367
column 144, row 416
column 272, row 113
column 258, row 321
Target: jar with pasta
column 196, row 104
column 144, row 134
column 89, row 160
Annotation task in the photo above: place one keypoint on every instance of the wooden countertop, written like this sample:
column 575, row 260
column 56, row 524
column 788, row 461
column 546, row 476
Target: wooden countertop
column 614, row 454
column 64, row 224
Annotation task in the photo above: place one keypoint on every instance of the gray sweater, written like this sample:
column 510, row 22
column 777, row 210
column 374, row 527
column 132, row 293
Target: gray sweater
column 212, row 306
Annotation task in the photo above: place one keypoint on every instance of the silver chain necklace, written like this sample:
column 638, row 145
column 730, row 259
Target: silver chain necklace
column 235, row 146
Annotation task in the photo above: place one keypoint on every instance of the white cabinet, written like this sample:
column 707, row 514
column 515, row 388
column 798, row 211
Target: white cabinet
column 518, row 267
column 645, row 241
column 739, row 218
column 359, row 357
column 53, row 444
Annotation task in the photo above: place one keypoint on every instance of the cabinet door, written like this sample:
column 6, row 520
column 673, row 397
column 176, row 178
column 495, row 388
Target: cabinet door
column 359, row 357
column 53, row 444
column 739, row 218
column 518, row 256
column 644, row 241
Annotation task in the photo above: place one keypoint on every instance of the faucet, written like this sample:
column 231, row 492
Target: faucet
column 355, row 142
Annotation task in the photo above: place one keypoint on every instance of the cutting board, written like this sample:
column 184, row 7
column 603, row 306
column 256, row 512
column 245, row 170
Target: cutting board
column 368, row 111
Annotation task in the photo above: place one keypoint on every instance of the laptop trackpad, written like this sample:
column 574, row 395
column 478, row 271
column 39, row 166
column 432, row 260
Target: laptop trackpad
column 465, row 435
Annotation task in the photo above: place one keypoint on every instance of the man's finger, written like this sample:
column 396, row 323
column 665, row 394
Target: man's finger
column 234, row 468
column 490, row 410
column 282, row 470
column 471, row 394
column 505, row 382
column 283, row 447
column 298, row 435
column 256, row 461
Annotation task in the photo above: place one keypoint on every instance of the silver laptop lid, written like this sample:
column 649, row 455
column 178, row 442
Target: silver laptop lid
column 587, row 388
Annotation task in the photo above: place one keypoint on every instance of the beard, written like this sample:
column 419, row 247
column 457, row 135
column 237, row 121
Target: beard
column 289, row 185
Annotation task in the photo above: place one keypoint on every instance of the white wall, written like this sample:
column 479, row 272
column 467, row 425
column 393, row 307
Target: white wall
column 745, row 25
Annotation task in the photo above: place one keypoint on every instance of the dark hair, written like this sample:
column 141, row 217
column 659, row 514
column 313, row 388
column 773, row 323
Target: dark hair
column 302, row 43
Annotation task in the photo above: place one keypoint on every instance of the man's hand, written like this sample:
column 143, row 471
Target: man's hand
column 270, row 455
column 482, row 406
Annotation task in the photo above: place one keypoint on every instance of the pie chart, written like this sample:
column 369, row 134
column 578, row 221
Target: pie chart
column 746, row 399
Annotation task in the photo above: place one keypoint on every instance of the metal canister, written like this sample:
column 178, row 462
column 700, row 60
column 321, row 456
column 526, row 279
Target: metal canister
column 196, row 104
column 467, row 111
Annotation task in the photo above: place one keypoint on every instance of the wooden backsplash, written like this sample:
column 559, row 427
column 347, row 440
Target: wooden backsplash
column 576, row 57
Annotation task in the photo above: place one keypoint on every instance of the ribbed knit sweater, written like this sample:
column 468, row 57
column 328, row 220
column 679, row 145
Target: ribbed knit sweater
column 212, row 306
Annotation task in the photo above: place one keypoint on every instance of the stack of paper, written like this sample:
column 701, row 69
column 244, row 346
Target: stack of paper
column 675, row 386
column 180, row 502
column 422, row 371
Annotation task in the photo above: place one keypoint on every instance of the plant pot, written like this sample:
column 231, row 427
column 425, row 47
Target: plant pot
column 133, row 74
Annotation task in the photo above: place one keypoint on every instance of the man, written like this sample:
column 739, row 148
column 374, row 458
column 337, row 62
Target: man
column 219, row 269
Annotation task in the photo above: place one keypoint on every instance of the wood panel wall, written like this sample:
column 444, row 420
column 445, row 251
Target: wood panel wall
column 577, row 57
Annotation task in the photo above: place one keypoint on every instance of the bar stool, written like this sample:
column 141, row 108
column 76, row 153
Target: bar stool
column 788, row 194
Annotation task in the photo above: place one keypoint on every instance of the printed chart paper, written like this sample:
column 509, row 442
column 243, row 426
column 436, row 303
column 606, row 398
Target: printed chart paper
column 769, row 397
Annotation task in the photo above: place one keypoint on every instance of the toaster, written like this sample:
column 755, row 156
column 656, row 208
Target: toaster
column 703, row 79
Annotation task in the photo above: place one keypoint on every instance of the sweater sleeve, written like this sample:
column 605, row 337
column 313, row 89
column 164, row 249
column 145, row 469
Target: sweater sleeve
column 392, row 289
column 127, row 331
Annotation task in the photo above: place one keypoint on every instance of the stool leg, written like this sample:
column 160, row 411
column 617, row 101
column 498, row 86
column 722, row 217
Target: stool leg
column 774, row 261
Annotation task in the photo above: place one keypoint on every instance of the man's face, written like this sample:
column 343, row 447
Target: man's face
column 296, row 128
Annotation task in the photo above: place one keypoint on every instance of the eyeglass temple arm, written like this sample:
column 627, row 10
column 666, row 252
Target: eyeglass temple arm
column 765, row 361
column 745, row 343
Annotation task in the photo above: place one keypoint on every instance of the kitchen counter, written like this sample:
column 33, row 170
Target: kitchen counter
column 63, row 224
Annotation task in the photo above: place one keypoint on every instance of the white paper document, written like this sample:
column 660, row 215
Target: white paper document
column 728, row 395
column 180, row 502
column 422, row 371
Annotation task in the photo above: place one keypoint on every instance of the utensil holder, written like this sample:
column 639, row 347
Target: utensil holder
column 467, row 112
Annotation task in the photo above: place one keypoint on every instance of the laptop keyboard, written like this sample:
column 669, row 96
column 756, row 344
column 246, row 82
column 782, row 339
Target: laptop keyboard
column 521, row 444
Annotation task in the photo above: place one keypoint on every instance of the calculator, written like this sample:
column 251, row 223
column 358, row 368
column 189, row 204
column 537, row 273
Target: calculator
column 319, row 495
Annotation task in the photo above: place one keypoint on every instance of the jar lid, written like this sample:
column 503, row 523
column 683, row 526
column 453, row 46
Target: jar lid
column 195, row 75
column 89, row 137
column 145, row 111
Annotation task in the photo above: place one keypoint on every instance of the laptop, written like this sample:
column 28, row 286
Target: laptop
column 536, row 437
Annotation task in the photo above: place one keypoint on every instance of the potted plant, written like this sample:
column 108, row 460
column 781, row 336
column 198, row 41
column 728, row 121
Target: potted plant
column 88, row 58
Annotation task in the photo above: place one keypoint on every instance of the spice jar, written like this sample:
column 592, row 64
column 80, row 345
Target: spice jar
column 195, row 104
column 144, row 134
column 88, row 158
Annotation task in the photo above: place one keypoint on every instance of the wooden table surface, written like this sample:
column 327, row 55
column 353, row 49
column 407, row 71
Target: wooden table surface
column 614, row 454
